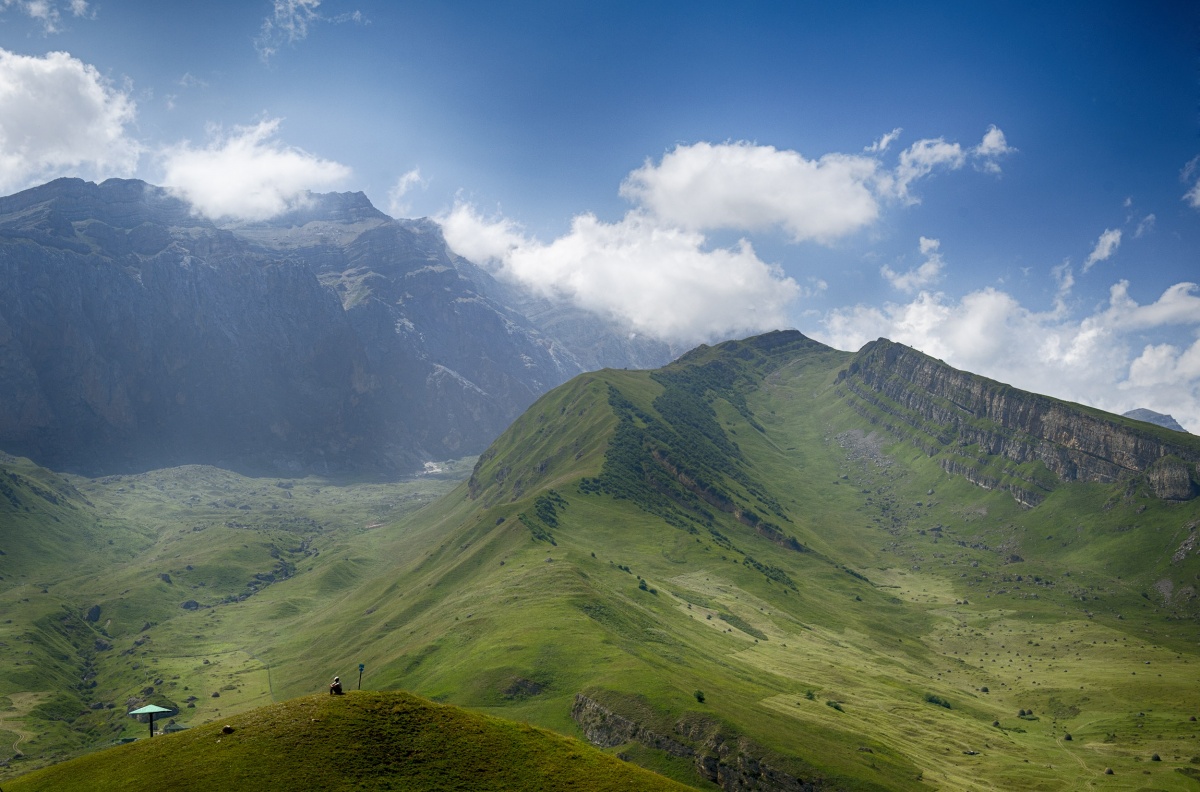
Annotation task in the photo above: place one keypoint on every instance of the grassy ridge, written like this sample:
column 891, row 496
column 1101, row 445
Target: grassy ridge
column 361, row 741
column 852, row 613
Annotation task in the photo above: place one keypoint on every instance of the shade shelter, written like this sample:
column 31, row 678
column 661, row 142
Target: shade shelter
column 151, row 710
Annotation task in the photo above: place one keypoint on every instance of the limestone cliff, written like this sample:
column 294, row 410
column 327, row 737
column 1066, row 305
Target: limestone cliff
column 1000, row 436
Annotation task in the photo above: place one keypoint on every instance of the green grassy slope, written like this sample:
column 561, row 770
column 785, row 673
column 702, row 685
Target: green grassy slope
column 123, row 591
column 852, row 613
column 361, row 741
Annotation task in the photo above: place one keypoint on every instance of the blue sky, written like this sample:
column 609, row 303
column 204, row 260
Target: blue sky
column 1013, row 188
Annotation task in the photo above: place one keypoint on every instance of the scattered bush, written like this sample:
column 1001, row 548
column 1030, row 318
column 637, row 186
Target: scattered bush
column 936, row 699
column 699, row 694
column 837, row 705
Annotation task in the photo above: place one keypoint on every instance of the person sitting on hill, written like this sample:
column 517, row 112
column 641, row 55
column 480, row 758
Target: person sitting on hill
column 335, row 687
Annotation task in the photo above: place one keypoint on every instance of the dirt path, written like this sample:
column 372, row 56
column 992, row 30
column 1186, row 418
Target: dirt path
column 13, row 720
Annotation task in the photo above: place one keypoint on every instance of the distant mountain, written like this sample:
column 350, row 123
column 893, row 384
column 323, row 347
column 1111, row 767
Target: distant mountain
column 1149, row 416
column 136, row 335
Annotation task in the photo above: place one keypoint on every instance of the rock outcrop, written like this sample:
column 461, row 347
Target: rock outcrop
column 1000, row 436
column 731, row 762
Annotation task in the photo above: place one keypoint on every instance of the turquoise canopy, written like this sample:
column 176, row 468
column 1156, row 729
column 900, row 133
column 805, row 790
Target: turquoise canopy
column 151, row 710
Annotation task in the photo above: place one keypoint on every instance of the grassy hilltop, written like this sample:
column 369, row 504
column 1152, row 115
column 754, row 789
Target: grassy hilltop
column 730, row 570
column 362, row 741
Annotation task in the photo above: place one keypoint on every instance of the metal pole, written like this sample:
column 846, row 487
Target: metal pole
column 361, row 666
column 151, row 724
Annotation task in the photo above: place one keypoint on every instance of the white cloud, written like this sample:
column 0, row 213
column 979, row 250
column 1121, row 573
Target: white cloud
column 1189, row 174
column 290, row 21
column 1145, row 226
column 1106, row 245
column 247, row 174
column 659, row 280
column 751, row 187
column 59, row 116
column 884, row 142
column 397, row 206
column 656, row 269
column 287, row 25
column 47, row 13
column 1100, row 359
column 923, row 276
column 919, row 160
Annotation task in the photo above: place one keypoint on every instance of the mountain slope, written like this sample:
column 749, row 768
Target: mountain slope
column 757, row 568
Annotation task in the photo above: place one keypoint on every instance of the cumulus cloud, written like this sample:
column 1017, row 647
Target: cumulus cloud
column 247, row 174
column 656, row 268
column 1101, row 359
column 397, row 206
column 659, row 280
column 290, row 22
column 921, row 277
column 1106, row 245
column 59, row 116
column 751, row 187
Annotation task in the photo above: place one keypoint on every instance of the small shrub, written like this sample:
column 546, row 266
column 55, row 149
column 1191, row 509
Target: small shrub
column 1155, row 758
column 808, row 694
column 699, row 694
column 1067, row 737
column 936, row 699
column 837, row 705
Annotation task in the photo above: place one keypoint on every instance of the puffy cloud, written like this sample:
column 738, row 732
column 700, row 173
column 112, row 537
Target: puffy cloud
column 247, row 174
column 751, row 187
column 921, row 277
column 660, row 280
column 993, row 146
column 397, row 206
column 58, row 115
column 655, row 268
column 1106, row 245
column 1100, row 359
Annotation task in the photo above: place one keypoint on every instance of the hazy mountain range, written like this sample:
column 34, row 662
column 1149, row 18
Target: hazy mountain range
column 136, row 335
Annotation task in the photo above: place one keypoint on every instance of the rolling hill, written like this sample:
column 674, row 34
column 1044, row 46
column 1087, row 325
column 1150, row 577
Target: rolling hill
column 769, row 565
column 362, row 741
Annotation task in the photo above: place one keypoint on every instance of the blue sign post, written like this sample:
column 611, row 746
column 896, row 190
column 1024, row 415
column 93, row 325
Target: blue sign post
column 361, row 666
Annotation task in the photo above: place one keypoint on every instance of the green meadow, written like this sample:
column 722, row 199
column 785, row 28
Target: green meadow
column 722, row 552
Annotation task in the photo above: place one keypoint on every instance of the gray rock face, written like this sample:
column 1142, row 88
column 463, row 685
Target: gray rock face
column 960, row 416
column 1149, row 416
column 135, row 335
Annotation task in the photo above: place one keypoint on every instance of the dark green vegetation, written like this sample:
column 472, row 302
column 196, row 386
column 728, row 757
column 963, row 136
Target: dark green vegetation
column 828, row 549
column 361, row 741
